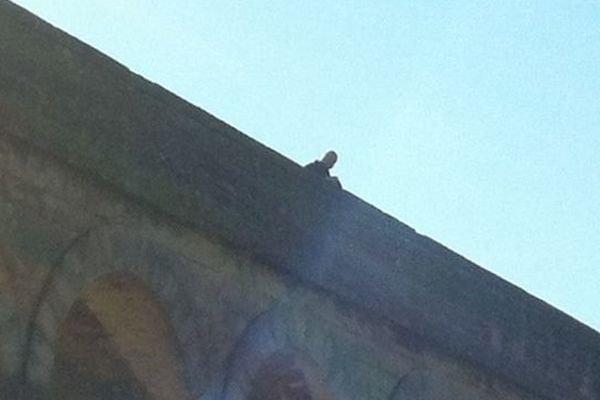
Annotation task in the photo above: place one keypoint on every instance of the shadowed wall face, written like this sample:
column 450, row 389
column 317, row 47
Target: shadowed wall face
column 281, row 377
column 276, row 382
column 116, row 343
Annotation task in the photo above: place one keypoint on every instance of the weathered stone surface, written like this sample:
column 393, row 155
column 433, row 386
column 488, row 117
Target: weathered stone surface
column 228, row 296
column 85, row 143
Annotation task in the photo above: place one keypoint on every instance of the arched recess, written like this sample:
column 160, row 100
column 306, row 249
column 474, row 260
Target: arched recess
column 117, row 343
column 429, row 384
column 106, row 258
column 268, row 365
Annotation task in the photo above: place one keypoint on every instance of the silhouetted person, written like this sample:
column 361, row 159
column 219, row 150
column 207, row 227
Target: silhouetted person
column 322, row 167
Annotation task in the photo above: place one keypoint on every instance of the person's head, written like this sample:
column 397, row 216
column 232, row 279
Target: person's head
column 329, row 159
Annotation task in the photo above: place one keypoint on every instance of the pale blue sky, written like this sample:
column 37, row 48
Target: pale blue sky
column 475, row 122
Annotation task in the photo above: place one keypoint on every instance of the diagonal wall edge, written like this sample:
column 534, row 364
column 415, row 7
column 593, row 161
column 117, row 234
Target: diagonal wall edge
column 75, row 103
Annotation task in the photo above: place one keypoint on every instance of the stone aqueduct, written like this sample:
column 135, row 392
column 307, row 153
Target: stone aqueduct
column 135, row 263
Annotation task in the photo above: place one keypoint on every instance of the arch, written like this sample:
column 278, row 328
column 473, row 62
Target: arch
column 268, row 365
column 430, row 384
column 287, row 375
column 117, row 342
column 110, row 252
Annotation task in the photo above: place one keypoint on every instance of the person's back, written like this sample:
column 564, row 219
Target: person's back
column 322, row 167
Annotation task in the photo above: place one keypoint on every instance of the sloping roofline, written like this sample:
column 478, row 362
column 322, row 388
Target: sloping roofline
column 73, row 102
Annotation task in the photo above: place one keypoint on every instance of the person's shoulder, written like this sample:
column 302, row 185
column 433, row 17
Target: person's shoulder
column 317, row 167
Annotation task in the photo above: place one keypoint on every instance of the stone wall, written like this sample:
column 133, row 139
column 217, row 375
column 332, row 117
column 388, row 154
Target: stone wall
column 263, row 273
column 61, row 233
